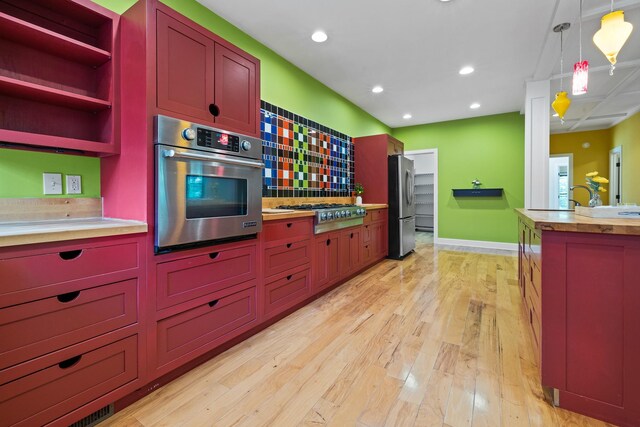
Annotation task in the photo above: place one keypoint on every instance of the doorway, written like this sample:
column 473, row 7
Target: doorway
column 615, row 180
column 425, row 163
column 560, row 181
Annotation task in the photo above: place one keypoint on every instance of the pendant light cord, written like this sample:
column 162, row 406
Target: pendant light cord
column 611, row 5
column 581, row 29
column 561, row 61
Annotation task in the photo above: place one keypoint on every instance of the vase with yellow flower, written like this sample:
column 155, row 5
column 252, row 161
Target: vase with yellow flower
column 595, row 181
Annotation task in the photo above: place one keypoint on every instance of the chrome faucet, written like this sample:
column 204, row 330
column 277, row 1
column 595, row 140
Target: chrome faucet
column 575, row 203
column 585, row 187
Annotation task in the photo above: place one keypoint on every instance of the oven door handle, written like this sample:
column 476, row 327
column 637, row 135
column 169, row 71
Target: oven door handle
column 177, row 155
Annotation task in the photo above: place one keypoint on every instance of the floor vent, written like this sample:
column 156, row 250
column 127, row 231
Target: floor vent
column 93, row 419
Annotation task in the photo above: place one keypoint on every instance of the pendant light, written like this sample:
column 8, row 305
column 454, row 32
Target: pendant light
column 612, row 35
column 561, row 103
column 580, row 68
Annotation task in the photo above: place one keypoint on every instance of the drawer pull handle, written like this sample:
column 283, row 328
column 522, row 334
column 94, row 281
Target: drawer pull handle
column 68, row 297
column 289, row 245
column 69, row 255
column 214, row 110
column 66, row 364
column 214, row 255
column 289, row 277
column 352, row 235
column 213, row 303
column 289, row 224
column 328, row 242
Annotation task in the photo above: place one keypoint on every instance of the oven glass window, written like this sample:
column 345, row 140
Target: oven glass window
column 209, row 197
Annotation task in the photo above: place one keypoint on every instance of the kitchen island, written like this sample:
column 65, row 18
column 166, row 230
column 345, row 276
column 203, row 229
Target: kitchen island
column 582, row 308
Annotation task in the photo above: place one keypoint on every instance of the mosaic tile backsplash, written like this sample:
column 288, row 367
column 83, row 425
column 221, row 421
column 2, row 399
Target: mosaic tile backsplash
column 303, row 158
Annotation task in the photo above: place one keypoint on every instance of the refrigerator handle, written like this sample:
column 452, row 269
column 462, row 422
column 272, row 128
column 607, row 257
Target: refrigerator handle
column 409, row 187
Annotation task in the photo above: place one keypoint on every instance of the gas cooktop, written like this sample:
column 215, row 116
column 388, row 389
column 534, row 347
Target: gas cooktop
column 332, row 216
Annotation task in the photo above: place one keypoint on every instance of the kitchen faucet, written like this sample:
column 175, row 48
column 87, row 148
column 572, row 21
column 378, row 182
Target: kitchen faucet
column 575, row 202
column 585, row 187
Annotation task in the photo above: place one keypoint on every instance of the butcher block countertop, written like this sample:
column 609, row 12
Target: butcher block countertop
column 272, row 214
column 550, row 220
column 45, row 231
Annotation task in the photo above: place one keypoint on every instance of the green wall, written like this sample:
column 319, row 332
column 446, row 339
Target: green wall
column 21, row 172
column 490, row 148
column 282, row 84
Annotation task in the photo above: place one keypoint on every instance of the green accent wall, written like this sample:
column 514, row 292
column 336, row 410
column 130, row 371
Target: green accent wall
column 490, row 148
column 282, row 84
column 21, row 172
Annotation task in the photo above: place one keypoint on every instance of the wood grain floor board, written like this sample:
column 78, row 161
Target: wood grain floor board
column 438, row 339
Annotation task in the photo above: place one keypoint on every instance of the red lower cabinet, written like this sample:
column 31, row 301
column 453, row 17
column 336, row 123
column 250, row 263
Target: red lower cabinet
column 287, row 291
column 209, row 323
column 60, row 383
column 326, row 260
column 351, row 250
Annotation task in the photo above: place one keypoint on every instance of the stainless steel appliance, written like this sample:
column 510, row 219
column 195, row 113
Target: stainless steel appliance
column 402, row 210
column 331, row 216
column 208, row 184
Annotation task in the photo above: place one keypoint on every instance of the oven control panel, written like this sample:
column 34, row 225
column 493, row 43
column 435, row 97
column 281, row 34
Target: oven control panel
column 222, row 141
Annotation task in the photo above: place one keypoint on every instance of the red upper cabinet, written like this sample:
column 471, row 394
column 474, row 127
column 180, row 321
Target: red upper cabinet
column 371, row 154
column 58, row 75
column 202, row 78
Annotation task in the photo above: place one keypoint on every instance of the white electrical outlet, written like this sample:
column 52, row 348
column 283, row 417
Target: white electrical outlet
column 74, row 184
column 52, row 183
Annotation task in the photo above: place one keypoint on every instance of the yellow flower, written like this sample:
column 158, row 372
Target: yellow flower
column 604, row 190
column 600, row 179
column 594, row 173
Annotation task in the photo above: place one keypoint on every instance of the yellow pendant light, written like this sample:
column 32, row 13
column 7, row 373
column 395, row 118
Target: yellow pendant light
column 612, row 35
column 562, row 102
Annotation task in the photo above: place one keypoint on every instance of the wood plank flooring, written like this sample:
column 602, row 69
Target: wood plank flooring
column 436, row 340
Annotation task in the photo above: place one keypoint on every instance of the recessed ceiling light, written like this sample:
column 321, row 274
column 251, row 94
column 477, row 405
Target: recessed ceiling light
column 319, row 37
column 377, row 89
column 466, row 70
column 474, row 106
column 407, row 116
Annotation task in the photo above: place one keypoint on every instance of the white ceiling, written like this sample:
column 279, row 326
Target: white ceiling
column 414, row 49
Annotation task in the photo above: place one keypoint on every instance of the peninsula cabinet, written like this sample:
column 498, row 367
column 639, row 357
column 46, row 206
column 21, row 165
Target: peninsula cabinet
column 70, row 316
column 58, row 75
column 202, row 79
column 581, row 292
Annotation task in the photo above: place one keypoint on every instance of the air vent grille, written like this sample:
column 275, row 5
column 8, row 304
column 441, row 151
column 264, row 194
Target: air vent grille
column 94, row 418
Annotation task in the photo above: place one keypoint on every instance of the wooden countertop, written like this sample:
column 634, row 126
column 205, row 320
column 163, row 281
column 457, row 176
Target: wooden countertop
column 16, row 233
column 549, row 220
column 302, row 214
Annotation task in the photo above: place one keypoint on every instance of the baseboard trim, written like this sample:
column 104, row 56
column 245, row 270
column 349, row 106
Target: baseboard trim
column 477, row 244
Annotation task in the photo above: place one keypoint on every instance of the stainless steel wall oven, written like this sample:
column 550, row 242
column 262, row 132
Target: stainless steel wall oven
column 208, row 185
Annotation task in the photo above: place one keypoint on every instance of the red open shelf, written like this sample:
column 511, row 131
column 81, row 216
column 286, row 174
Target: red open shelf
column 49, row 95
column 41, row 140
column 43, row 39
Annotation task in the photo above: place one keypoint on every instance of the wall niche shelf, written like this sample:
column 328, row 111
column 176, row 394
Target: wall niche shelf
column 58, row 75
column 477, row 192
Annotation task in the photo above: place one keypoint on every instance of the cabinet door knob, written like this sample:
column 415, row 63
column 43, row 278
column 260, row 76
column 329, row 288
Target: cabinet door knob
column 69, row 255
column 213, row 303
column 68, row 297
column 328, row 242
column 289, row 277
column 289, row 224
column 289, row 245
column 66, row 364
column 214, row 110
column 352, row 235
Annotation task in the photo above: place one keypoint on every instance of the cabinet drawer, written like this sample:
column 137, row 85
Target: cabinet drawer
column 185, row 279
column 378, row 215
column 205, row 326
column 286, row 256
column 39, row 327
column 26, row 273
column 286, row 292
column 65, row 385
column 294, row 229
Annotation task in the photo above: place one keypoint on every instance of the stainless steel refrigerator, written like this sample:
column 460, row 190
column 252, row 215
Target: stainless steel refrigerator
column 402, row 210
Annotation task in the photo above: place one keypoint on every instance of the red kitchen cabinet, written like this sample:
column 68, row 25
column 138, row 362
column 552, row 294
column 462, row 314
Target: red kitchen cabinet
column 58, row 75
column 371, row 165
column 287, row 291
column 351, row 250
column 201, row 79
column 326, row 260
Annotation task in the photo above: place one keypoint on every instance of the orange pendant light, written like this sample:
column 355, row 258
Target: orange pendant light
column 612, row 35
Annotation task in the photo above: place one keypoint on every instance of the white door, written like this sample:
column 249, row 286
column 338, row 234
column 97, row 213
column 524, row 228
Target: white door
column 615, row 179
column 560, row 179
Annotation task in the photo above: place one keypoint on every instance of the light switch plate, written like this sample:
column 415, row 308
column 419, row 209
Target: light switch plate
column 52, row 183
column 74, row 184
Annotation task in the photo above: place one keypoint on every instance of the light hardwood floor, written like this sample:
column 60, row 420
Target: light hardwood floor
column 436, row 340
